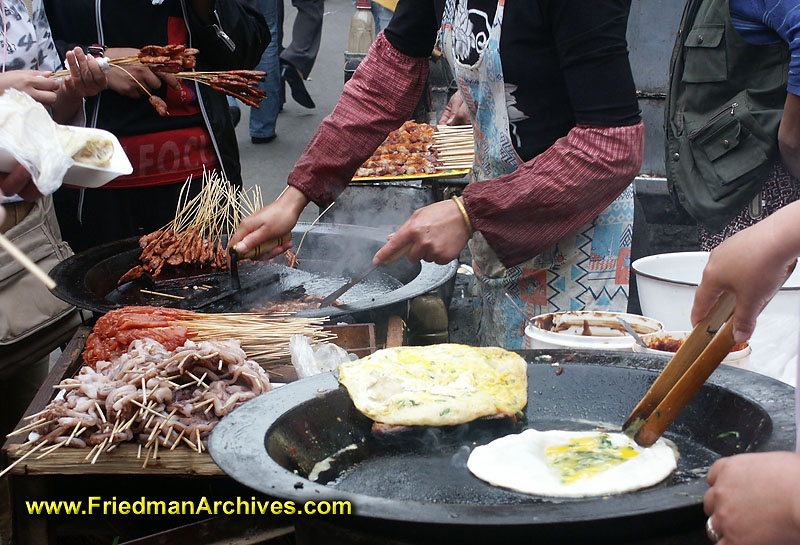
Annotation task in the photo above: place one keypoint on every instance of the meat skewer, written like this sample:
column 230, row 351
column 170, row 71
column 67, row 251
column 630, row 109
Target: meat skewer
column 180, row 61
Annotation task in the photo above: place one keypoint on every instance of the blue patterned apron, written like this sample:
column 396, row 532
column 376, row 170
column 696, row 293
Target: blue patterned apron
column 587, row 270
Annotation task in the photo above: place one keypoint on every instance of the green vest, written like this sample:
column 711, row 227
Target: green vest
column 725, row 103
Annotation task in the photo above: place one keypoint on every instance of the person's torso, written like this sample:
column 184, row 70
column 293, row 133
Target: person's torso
column 130, row 23
column 25, row 40
column 539, row 110
column 724, row 108
column 162, row 149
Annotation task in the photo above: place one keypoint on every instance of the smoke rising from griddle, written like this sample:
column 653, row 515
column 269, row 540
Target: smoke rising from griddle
column 381, row 205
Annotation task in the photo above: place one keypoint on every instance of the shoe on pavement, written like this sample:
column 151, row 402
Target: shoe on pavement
column 292, row 76
column 236, row 114
column 263, row 139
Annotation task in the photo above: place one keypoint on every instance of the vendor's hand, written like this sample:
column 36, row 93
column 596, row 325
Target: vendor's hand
column 436, row 232
column 19, row 182
column 86, row 77
column 456, row 112
column 122, row 83
column 270, row 223
column 753, row 264
column 33, row 82
column 752, row 499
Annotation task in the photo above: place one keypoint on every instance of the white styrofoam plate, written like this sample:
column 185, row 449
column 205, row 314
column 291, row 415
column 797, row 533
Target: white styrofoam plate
column 81, row 175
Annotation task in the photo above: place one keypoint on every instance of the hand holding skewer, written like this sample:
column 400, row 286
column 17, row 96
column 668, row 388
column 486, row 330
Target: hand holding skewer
column 135, row 81
column 138, row 72
column 270, row 223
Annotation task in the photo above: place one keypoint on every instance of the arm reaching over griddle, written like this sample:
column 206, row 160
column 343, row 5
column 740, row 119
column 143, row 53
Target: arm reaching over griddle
column 270, row 223
column 753, row 264
column 381, row 95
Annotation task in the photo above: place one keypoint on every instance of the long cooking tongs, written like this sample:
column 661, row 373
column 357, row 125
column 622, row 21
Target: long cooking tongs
column 698, row 357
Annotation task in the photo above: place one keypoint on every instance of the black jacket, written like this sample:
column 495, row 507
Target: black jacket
column 237, row 41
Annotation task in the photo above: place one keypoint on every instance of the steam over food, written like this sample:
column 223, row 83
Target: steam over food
column 439, row 385
column 571, row 464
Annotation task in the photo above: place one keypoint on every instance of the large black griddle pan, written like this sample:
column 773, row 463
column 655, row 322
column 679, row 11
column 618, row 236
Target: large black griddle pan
column 422, row 485
column 89, row 279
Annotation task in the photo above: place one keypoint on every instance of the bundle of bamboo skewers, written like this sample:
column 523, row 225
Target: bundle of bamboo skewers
column 195, row 237
column 179, row 61
column 265, row 338
column 161, row 377
column 455, row 147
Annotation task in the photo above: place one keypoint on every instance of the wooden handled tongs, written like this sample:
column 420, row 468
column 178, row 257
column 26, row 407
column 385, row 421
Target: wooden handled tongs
column 698, row 357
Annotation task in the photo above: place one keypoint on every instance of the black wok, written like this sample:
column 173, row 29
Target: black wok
column 420, row 483
column 330, row 255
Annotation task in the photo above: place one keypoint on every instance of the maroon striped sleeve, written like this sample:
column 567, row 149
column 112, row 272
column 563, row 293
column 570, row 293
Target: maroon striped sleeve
column 379, row 97
column 523, row 213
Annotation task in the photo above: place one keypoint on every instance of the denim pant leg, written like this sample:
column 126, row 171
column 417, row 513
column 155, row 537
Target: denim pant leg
column 382, row 17
column 262, row 119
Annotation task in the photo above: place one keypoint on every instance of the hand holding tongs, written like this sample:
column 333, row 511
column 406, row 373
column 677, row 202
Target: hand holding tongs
column 685, row 373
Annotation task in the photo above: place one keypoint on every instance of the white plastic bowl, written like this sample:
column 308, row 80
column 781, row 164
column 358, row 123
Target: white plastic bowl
column 586, row 330
column 82, row 175
column 667, row 283
column 739, row 358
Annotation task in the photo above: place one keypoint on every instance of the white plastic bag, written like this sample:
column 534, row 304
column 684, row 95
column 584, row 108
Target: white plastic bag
column 308, row 361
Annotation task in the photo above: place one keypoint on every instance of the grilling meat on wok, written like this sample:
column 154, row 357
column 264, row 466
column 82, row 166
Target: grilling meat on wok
column 187, row 249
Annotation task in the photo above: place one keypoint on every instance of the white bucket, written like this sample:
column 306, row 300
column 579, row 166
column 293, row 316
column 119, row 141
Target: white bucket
column 586, row 330
column 667, row 283
column 738, row 358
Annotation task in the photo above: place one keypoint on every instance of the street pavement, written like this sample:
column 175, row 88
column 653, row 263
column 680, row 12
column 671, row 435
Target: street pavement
column 268, row 165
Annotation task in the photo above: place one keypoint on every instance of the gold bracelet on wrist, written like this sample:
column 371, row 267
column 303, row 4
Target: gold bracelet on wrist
column 464, row 214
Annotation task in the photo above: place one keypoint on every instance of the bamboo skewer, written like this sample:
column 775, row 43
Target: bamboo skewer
column 25, row 261
column 160, row 294
column 20, row 459
column 30, row 427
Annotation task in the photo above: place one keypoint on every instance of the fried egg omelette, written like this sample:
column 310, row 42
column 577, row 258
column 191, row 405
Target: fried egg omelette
column 571, row 464
column 438, row 385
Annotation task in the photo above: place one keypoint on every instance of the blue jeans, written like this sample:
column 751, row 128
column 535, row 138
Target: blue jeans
column 262, row 119
column 382, row 17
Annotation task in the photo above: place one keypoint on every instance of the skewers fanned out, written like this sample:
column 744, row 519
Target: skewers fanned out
column 420, row 150
column 179, row 61
column 161, row 377
column 195, row 237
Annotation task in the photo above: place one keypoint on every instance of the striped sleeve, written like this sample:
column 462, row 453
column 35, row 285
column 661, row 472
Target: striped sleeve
column 523, row 213
column 381, row 95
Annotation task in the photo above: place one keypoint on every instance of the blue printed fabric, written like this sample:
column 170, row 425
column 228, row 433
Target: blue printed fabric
column 768, row 22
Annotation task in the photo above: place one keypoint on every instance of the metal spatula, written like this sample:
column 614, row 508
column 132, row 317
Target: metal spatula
column 338, row 293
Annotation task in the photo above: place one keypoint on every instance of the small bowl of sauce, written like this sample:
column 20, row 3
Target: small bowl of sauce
column 666, row 343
